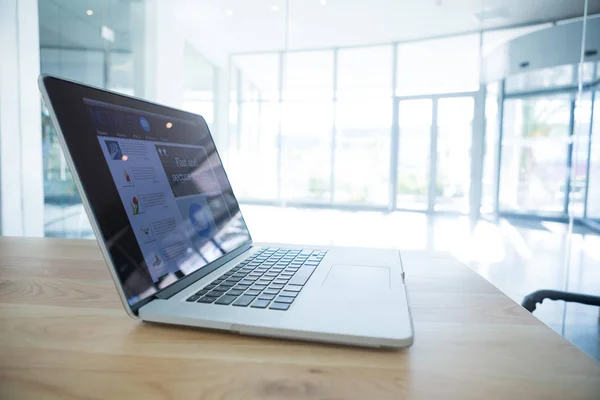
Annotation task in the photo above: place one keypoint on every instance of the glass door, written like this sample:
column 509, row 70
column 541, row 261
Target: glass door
column 535, row 146
column 414, row 126
column 453, row 166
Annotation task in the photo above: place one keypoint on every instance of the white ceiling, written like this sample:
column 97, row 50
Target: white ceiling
column 221, row 27
column 242, row 25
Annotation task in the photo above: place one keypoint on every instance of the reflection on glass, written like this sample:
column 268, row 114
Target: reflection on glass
column 363, row 151
column 593, row 201
column 455, row 128
column 534, row 154
column 413, row 158
column 253, row 157
column 306, row 150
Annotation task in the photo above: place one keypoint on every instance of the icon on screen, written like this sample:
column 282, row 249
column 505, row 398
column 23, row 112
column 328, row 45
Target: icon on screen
column 127, row 179
column 114, row 150
column 145, row 124
column 136, row 205
column 147, row 234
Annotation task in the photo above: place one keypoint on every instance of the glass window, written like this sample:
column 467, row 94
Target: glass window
column 233, row 83
column 72, row 47
column 593, row 200
column 363, row 123
column 364, row 72
column 253, row 156
column 455, row 129
column 534, row 154
column 308, row 75
column 490, row 150
column 583, row 113
column 198, row 85
column 86, row 66
column 362, row 151
column 120, row 75
column 438, row 66
column 260, row 76
column 414, row 118
column 306, row 150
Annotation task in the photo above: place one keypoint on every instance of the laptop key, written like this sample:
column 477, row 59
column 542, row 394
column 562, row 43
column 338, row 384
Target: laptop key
column 226, row 299
column 288, row 293
column 276, row 286
column 235, row 292
column 302, row 277
column 207, row 300
column 293, row 288
column 266, row 297
column 279, row 306
column 193, row 298
column 281, row 299
column 201, row 292
column 253, row 292
column 244, row 301
column 260, row 303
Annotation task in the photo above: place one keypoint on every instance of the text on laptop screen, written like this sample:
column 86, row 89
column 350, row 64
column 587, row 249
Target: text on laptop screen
column 174, row 190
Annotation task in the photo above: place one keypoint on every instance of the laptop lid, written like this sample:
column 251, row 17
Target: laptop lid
column 153, row 184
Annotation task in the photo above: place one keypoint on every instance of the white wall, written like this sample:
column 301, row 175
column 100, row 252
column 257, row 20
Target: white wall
column 21, row 179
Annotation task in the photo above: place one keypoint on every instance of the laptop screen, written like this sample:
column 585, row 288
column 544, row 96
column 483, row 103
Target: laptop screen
column 172, row 185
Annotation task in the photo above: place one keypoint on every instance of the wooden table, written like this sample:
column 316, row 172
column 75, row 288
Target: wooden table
column 64, row 335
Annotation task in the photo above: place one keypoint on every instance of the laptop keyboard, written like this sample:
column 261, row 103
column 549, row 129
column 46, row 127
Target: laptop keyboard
column 270, row 278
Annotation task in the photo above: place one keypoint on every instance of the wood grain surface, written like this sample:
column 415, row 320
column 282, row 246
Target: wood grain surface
column 65, row 335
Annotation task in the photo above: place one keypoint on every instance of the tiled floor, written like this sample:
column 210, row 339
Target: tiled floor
column 517, row 256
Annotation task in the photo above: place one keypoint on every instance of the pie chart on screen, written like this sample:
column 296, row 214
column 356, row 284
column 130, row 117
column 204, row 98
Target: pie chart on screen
column 199, row 220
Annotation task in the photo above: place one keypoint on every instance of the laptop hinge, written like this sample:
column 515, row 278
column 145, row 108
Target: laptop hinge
column 201, row 273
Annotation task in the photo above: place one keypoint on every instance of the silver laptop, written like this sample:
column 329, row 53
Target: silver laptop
column 177, row 245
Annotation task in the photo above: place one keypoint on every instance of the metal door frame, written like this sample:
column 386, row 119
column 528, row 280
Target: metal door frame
column 395, row 161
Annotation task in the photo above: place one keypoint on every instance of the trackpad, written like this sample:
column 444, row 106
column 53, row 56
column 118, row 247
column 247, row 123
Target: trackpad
column 359, row 277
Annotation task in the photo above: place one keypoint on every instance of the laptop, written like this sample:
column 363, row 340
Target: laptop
column 177, row 245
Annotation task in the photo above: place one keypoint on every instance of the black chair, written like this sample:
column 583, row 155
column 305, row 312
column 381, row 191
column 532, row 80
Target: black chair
column 531, row 300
